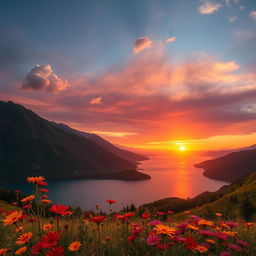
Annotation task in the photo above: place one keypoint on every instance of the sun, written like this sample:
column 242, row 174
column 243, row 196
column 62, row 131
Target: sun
column 182, row 148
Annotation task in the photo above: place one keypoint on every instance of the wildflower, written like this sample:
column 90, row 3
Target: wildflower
column 12, row 218
column 18, row 229
column 37, row 248
column 187, row 212
column 210, row 241
column 28, row 199
column 60, row 209
column 17, row 191
column 170, row 212
column 14, row 203
column 129, row 214
column 50, row 239
column 160, row 213
column 190, row 243
column 145, row 215
column 249, row 224
column 73, row 247
column 231, row 224
column 3, row 251
column 189, row 226
column 24, row 238
column 47, row 227
column 131, row 238
column 45, row 201
column 35, row 180
column 98, row 219
column 201, row 249
column 153, row 240
column 235, row 247
column 155, row 222
column 206, row 233
column 205, row 223
column 241, row 242
column 44, row 190
column 230, row 233
column 26, row 206
column 164, row 230
column 225, row 253
column 162, row 246
column 21, row 250
column 111, row 201
column 218, row 214
column 56, row 251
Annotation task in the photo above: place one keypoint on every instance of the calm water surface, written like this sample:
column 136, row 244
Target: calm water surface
column 171, row 176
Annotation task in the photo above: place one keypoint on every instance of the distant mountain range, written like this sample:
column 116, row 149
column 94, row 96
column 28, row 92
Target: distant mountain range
column 230, row 167
column 32, row 146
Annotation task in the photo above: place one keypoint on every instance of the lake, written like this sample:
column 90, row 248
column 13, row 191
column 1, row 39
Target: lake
column 171, row 176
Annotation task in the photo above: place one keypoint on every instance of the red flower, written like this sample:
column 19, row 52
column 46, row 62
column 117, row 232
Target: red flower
column 160, row 213
column 42, row 183
column 27, row 206
column 191, row 243
column 170, row 212
column 44, row 190
column 16, row 191
column 131, row 238
column 145, row 215
column 50, row 239
column 129, row 214
column 162, row 246
column 111, row 201
column 56, row 251
column 98, row 219
column 60, row 209
column 37, row 248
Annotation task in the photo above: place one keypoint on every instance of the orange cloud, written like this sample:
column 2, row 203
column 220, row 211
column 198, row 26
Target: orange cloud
column 209, row 7
column 96, row 101
column 141, row 44
column 170, row 39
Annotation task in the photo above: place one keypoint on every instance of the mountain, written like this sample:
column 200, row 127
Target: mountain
column 230, row 167
column 33, row 146
column 235, row 200
column 125, row 154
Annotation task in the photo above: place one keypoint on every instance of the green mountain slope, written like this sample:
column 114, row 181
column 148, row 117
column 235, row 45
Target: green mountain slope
column 234, row 200
column 32, row 146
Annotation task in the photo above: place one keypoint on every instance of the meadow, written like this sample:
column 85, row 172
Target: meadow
column 33, row 225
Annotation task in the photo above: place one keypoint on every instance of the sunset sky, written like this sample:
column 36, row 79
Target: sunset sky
column 143, row 73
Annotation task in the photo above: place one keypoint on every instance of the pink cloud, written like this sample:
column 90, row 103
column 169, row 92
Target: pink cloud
column 209, row 7
column 141, row 44
column 170, row 39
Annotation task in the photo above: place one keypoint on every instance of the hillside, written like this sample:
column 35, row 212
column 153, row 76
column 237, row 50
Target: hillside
column 230, row 200
column 125, row 154
column 33, row 146
column 230, row 167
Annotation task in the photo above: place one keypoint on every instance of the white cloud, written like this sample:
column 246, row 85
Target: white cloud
column 232, row 19
column 42, row 77
column 209, row 7
column 253, row 14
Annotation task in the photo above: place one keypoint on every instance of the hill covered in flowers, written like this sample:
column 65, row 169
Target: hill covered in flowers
column 38, row 227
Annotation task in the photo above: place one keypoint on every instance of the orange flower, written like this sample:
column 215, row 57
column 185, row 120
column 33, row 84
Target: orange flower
column 201, row 249
column 24, row 238
column 18, row 229
column 3, row 251
column 47, row 227
column 210, row 241
column 205, row 222
column 35, row 180
column 189, row 226
column 28, row 199
column 46, row 201
column 218, row 214
column 21, row 250
column 73, row 247
column 12, row 218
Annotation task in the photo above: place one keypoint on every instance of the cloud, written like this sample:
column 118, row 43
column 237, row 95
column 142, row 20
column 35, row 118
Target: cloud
column 42, row 77
column 170, row 39
column 96, row 101
column 141, row 44
column 253, row 14
column 209, row 7
column 232, row 19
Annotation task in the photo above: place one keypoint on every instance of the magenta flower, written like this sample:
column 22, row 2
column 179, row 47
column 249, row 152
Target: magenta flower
column 235, row 247
column 242, row 242
column 155, row 222
column 225, row 253
column 153, row 240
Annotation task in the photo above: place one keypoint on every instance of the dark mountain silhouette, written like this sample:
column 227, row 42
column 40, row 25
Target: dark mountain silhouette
column 230, row 167
column 128, row 155
column 32, row 146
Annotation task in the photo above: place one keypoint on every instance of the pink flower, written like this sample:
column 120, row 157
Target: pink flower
column 235, row 247
column 155, row 222
column 153, row 240
column 225, row 253
column 242, row 242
